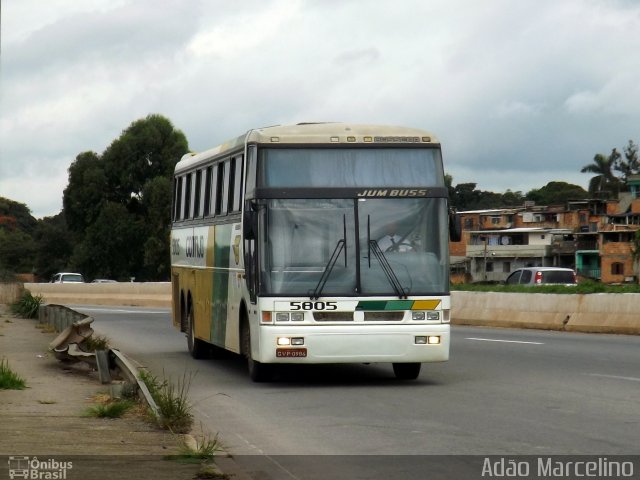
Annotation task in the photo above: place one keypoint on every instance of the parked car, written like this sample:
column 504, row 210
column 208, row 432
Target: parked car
column 542, row 276
column 66, row 277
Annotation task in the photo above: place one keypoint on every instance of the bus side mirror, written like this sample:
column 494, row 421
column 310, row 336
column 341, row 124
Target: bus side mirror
column 455, row 226
column 249, row 220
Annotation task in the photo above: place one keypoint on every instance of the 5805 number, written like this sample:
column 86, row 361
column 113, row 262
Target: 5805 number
column 313, row 305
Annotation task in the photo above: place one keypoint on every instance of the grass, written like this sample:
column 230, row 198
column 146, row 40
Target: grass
column 584, row 287
column 205, row 447
column 95, row 343
column 9, row 380
column 27, row 306
column 172, row 401
column 112, row 409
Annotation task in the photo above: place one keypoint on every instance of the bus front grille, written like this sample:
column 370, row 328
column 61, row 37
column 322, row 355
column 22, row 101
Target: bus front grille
column 333, row 316
column 385, row 316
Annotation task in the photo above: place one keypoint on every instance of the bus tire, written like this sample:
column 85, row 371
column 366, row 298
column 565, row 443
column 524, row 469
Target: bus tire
column 258, row 372
column 197, row 348
column 406, row 371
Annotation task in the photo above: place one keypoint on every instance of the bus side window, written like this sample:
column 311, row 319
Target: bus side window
column 236, row 193
column 177, row 198
column 186, row 193
column 218, row 175
column 197, row 210
column 224, row 193
column 207, row 191
column 188, row 199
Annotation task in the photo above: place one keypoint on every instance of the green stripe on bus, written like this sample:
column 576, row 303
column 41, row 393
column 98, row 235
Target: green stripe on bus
column 371, row 305
column 378, row 305
column 219, row 308
column 399, row 305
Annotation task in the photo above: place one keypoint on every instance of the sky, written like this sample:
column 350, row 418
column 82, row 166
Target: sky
column 519, row 92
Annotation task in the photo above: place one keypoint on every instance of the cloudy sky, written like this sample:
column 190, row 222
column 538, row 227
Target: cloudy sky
column 520, row 92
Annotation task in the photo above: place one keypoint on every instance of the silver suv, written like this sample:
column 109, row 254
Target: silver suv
column 66, row 277
column 542, row 276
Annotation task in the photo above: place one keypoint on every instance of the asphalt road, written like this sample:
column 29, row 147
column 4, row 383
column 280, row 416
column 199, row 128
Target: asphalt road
column 504, row 392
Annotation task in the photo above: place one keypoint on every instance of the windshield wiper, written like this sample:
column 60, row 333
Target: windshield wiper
column 340, row 246
column 386, row 267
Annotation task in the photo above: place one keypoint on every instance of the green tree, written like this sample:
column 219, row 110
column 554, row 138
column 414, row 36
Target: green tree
column 112, row 245
column 53, row 245
column 127, row 189
column 85, row 193
column 604, row 180
column 156, row 198
column 148, row 148
column 554, row 193
column 631, row 164
column 17, row 251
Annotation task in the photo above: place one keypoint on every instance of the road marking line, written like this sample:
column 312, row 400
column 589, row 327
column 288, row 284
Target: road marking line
column 617, row 377
column 502, row 341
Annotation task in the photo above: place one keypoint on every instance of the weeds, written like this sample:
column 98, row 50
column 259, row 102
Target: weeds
column 27, row 306
column 9, row 380
column 95, row 343
column 203, row 448
column 172, row 401
column 110, row 410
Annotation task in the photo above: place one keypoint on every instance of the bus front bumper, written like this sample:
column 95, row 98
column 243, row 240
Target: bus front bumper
column 362, row 344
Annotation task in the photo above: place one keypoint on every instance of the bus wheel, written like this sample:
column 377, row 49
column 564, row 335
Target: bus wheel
column 197, row 348
column 406, row 371
column 258, row 372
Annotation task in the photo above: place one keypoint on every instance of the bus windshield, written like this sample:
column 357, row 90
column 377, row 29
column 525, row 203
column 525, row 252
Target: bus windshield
column 350, row 167
column 377, row 242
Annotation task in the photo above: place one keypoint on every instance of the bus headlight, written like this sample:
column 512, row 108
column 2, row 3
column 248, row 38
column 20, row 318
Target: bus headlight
column 433, row 316
column 282, row 317
column 297, row 317
column 417, row 316
column 427, row 340
column 284, row 341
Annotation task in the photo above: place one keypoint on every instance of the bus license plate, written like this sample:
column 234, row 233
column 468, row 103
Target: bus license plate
column 291, row 352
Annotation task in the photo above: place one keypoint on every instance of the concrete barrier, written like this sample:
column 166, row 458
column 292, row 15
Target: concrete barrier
column 149, row 294
column 10, row 292
column 595, row 312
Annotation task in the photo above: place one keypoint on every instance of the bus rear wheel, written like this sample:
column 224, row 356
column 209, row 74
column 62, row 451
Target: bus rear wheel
column 197, row 348
column 406, row 371
column 258, row 372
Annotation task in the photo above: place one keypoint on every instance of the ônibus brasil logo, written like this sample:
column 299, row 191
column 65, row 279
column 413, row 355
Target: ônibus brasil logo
column 32, row 468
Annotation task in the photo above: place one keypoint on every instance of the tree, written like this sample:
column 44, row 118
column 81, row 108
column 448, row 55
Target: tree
column 631, row 164
column 112, row 246
column 53, row 245
column 554, row 193
column 84, row 195
column 148, row 148
column 127, row 190
column 605, row 180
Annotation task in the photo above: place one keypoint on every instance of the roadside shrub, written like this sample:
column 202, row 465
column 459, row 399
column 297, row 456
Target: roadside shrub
column 9, row 380
column 110, row 410
column 172, row 401
column 27, row 306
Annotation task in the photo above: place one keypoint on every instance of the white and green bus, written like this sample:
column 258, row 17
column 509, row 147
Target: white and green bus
column 314, row 243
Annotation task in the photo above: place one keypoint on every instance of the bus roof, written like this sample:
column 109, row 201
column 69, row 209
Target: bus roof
column 316, row 133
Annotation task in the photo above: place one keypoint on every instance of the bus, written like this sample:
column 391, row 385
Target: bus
column 278, row 248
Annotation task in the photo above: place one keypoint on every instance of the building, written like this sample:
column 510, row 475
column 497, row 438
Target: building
column 594, row 237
